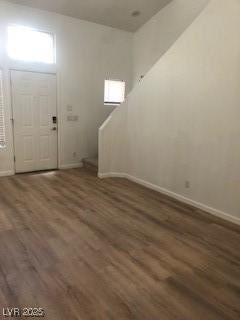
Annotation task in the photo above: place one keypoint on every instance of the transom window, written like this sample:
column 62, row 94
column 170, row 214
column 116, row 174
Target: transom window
column 114, row 92
column 31, row 45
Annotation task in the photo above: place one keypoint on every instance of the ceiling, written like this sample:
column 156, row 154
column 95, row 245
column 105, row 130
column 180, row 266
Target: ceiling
column 113, row 13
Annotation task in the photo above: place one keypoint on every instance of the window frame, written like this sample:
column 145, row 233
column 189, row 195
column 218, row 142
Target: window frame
column 2, row 110
column 114, row 103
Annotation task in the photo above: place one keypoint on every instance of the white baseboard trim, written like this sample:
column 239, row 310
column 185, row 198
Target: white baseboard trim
column 113, row 175
column 7, row 173
column 198, row 205
column 70, row 166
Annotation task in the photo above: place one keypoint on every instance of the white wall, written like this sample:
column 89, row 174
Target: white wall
column 183, row 118
column 87, row 53
column 153, row 39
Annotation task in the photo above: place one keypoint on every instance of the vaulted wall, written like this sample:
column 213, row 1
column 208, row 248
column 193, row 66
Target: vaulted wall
column 87, row 54
column 178, row 131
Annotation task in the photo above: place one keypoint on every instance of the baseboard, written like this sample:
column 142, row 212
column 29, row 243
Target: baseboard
column 70, row 166
column 203, row 207
column 7, row 173
column 113, row 175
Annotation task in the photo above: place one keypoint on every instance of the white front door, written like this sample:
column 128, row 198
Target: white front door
column 34, row 104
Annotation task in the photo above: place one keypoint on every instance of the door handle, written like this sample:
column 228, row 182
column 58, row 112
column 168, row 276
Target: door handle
column 54, row 129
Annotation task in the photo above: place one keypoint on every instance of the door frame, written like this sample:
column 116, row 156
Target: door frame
column 57, row 112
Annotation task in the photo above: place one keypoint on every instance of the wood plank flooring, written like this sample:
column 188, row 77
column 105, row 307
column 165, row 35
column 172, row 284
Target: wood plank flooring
column 85, row 248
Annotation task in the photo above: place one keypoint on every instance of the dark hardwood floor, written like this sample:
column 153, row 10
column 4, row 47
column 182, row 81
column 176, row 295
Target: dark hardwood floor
column 85, row 248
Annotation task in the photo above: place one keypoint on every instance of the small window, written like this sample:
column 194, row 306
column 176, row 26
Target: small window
column 2, row 125
column 114, row 92
column 26, row 44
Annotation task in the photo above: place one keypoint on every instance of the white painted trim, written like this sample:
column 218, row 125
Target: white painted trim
column 113, row 175
column 71, row 166
column 7, row 173
column 174, row 195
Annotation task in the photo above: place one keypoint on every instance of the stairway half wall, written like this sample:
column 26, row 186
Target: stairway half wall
column 179, row 131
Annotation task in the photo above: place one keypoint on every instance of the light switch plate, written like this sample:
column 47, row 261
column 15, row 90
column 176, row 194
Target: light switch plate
column 72, row 118
column 69, row 108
